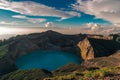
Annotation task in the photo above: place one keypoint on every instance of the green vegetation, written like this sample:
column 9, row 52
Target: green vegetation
column 89, row 74
column 4, row 44
column 40, row 74
column 3, row 50
column 34, row 74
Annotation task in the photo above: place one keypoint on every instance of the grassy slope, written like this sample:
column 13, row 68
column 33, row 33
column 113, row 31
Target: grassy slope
column 33, row 74
column 103, row 73
column 3, row 50
column 106, row 73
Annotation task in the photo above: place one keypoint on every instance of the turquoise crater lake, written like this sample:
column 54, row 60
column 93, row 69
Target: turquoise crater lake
column 49, row 60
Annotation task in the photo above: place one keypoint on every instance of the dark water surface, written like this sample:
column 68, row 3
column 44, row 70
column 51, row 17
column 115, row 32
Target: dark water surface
column 49, row 60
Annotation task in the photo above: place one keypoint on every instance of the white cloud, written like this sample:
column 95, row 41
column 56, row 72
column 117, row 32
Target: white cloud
column 117, row 25
column 105, row 9
column 32, row 20
column 104, row 29
column 88, row 28
column 94, row 28
column 39, row 20
column 35, row 9
column 13, row 23
column 49, row 24
column 19, row 16
column 7, row 23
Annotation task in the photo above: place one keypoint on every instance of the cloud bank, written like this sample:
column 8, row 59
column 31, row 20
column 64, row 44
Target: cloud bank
column 7, row 23
column 32, row 20
column 94, row 28
column 35, row 9
column 106, row 9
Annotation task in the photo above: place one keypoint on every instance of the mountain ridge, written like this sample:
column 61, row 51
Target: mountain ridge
column 50, row 40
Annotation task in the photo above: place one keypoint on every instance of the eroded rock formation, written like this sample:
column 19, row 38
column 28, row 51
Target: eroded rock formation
column 91, row 48
column 86, row 49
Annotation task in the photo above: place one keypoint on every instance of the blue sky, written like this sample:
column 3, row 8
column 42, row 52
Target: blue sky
column 59, row 13
column 64, row 5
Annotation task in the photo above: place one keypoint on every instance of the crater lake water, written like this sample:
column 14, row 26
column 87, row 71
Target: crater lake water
column 49, row 60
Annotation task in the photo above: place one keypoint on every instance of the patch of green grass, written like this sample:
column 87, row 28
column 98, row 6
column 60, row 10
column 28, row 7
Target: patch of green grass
column 63, row 77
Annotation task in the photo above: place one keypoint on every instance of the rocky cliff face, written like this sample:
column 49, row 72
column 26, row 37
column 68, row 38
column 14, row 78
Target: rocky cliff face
column 86, row 49
column 106, row 53
column 91, row 48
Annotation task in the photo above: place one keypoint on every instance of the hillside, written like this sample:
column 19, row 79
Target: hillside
column 97, row 52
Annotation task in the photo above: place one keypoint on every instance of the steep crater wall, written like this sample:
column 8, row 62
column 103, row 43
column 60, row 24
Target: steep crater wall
column 41, row 41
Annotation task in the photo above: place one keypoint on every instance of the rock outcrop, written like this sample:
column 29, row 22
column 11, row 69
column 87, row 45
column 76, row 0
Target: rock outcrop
column 86, row 49
column 91, row 48
column 104, row 52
